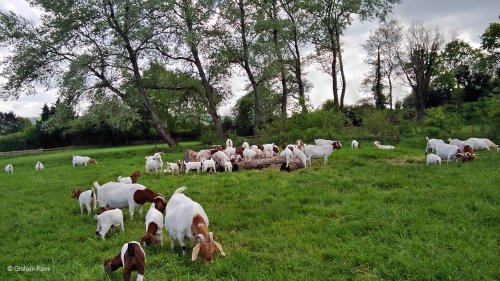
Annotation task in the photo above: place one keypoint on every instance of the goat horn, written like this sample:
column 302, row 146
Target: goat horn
column 200, row 238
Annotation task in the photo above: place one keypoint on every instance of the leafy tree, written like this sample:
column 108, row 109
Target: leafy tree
column 86, row 49
column 330, row 20
column 418, row 59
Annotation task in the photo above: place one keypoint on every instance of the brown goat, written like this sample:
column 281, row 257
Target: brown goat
column 132, row 258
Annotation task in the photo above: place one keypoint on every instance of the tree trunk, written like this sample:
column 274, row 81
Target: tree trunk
column 269, row 162
column 334, row 80
column 211, row 106
column 390, row 90
column 342, row 74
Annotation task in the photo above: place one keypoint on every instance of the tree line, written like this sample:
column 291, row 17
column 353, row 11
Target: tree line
column 166, row 64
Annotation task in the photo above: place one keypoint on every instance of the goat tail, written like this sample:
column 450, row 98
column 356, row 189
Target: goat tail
column 96, row 185
column 93, row 197
column 131, row 250
column 180, row 190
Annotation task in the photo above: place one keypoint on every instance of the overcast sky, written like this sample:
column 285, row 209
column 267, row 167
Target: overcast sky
column 468, row 18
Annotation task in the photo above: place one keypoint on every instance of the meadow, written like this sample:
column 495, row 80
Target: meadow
column 367, row 215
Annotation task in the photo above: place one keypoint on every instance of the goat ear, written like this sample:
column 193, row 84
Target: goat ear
column 196, row 250
column 219, row 247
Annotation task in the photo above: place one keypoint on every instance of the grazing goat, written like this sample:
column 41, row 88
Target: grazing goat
column 108, row 219
column 203, row 155
column 9, row 169
column 457, row 142
column 249, row 154
column 380, row 146
column 154, row 163
column 447, row 151
column 131, row 179
column 220, row 157
column 354, row 144
column 132, row 258
column 120, row 195
column 228, row 166
column 288, row 154
column 321, row 142
column 466, row 156
column 209, row 165
column 186, row 218
column 82, row 160
column 192, row 166
column 39, row 166
column 433, row 159
column 482, row 143
column 318, row 152
column 432, row 143
column 172, row 167
column 154, row 227
column 86, row 199
column 229, row 143
column 245, row 145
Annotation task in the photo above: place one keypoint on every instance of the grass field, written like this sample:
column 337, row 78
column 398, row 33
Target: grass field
column 367, row 215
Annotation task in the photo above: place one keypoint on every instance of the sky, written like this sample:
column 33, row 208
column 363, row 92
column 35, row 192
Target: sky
column 467, row 18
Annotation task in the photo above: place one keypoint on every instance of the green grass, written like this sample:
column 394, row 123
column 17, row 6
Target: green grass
column 367, row 215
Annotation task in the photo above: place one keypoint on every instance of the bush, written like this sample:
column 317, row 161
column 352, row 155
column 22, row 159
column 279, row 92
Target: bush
column 208, row 136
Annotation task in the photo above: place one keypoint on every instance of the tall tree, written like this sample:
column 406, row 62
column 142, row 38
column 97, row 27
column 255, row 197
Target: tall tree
column 240, row 37
column 418, row 58
column 382, row 42
column 331, row 18
column 90, row 47
column 189, row 25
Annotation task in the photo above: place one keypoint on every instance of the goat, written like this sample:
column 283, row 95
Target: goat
column 39, row 166
column 186, row 218
column 229, row 143
column 220, row 157
column 132, row 258
column 86, row 199
column 432, row 143
column 192, row 166
column 249, row 154
column 228, row 166
column 154, row 163
column 131, row 179
column 324, row 151
column 9, row 169
column 209, row 165
column 82, row 160
column 120, row 195
column 172, row 167
column 354, row 144
column 482, row 143
column 380, row 146
column 108, row 219
column 447, row 151
column 287, row 153
column 433, row 159
column 154, row 227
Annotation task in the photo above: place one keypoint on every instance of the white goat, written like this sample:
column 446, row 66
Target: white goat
column 120, row 195
column 433, row 159
column 228, row 166
column 154, row 163
column 432, row 143
column 154, row 227
column 108, row 219
column 220, row 157
column 482, row 143
column 249, row 154
column 9, row 169
column 447, row 151
column 297, row 153
column 186, row 218
column 192, row 166
column 381, row 146
column 209, row 165
column 354, row 144
column 229, row 143
column 245, row 145
column 203, row 155
column 86, row 199
column 323, row 151
column 172, row 167
column 288, row 154
column 82, row 160
column 39, row 166
column 461, row 144
column 268, row 149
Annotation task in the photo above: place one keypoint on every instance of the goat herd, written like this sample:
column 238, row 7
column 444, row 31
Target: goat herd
column 184, row 218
